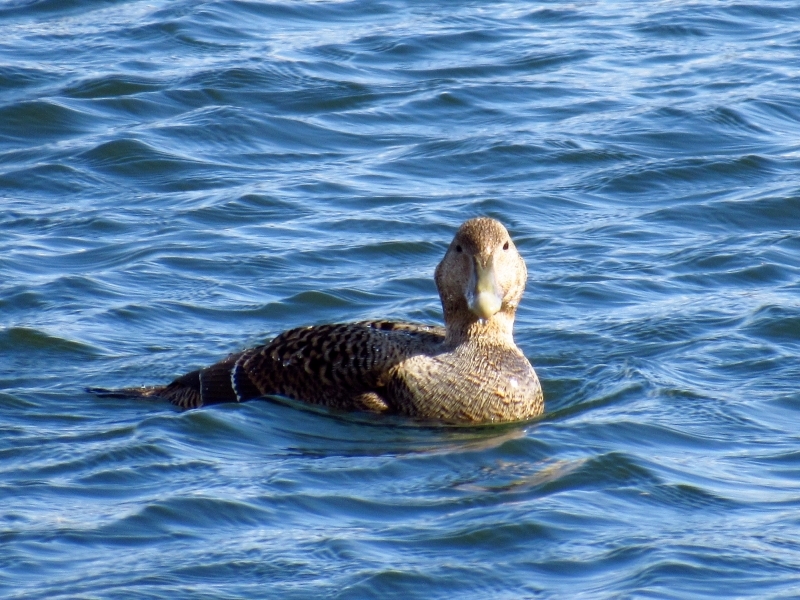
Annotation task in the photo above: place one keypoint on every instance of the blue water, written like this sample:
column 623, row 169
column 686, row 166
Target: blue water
column 180, row 180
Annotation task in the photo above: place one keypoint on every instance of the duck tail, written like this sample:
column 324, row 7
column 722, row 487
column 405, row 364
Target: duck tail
column 224, row 381
column 137, row 392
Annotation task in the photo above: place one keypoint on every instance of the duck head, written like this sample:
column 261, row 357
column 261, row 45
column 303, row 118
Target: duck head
column 481, row 280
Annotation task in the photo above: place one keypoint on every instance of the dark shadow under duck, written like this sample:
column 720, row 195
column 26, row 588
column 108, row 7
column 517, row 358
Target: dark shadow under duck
column 470, row 371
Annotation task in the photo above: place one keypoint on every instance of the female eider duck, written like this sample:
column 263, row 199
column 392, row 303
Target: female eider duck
column 470, row 371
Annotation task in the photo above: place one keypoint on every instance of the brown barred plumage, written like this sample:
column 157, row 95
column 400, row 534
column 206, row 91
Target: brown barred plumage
column 467, row 372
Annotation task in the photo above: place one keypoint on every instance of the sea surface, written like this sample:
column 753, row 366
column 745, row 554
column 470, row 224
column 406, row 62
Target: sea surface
column 184, row 179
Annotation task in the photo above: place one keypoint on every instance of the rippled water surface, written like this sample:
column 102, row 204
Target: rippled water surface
column 179, row 180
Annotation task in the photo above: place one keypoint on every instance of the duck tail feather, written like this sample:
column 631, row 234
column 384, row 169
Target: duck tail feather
column 137, row 392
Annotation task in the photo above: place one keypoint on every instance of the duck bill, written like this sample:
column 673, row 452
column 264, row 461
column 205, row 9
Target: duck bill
column 484, row 297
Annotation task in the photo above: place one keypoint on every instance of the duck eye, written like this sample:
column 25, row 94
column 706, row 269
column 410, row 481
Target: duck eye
column 458, row 248
column 505, row 246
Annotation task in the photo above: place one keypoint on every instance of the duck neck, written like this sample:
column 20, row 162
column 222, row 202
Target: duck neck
column 498, row 330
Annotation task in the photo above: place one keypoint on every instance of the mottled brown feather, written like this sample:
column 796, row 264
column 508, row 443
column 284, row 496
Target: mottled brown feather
column 467, row 372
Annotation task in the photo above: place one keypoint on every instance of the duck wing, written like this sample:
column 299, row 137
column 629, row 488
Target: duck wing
column 341, row 366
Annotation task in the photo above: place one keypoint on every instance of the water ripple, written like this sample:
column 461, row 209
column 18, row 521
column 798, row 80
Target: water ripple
column 179, row 181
